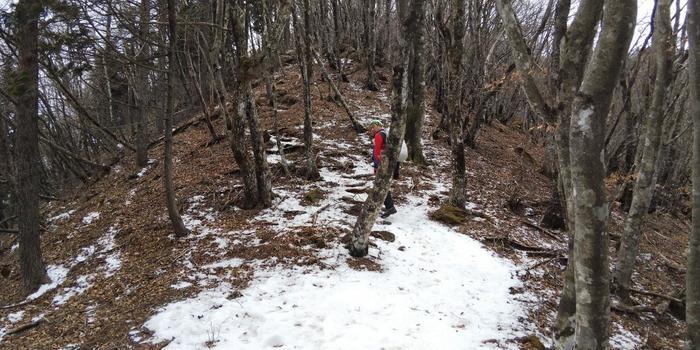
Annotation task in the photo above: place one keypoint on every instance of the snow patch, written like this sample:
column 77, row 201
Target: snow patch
column 90, row 312
column 82, row 284
column 181, row 285
column 235, row 262
column 90, row 217
column 145, row 169
column 15, row 316
column 130, row 195
column 57, row 274
column 61, row 217
column 444, row 290
column 624, row 339
column 84, row 254
column 111, row 257
column 114, row 263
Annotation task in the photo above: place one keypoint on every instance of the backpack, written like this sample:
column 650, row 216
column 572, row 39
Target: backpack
column 403, row 155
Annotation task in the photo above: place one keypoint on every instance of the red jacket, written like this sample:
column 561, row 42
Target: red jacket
column 378, row 148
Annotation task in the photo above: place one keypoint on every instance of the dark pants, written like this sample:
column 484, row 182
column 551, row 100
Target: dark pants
column 388, row 201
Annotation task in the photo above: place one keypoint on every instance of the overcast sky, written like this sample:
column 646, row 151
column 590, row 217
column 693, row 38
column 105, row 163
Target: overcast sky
column 643, row 15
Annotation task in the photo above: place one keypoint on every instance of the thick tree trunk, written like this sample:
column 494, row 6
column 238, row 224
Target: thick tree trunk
column 238, row 138
column 270, row 33
column 455, row 53
column 570, row 59
column 370, row 209
column 305, row 64
column 6, row 174
column 357, row 126
column 646, row 170
column 262, row 171
column 28, row 160
column 693, row 275
column 587, row 137
column 251, row 195
column 369, row 12
column 178, row 226
column 141, row 90
column 336, row 35
column 415, row 112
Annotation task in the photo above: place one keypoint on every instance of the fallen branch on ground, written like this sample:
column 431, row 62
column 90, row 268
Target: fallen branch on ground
column 315, row 215
column 26, row 326
column 12, row 306
column 672, row 264
column 515, row 244
column 654, row 294
column 544, row 262
column 636, row 310
column 543, row 230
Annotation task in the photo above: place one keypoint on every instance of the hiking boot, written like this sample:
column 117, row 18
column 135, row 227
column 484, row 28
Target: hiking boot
column 388, row 212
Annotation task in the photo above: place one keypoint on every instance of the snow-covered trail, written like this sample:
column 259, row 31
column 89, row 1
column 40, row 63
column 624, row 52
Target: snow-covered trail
column 437, row 288
column 442, row 291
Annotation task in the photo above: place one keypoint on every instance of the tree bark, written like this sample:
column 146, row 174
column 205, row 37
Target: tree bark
column 370, row 209
column 141, row 91
column 455, row 55
column 262, row 171
column 587, row 137
column 369, row 12
column 415, row 111
column 238, row 138
column 693, row 274
column 357, row 126
column 305, row 65
column 28, row 177
column 170, row 200
column 646, row 170
column 570, row 55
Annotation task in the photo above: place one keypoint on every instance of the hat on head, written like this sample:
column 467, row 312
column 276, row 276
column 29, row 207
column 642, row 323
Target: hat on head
column 376, row 122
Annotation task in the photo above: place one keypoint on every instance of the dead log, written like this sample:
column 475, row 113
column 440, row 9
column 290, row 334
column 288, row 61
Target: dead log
column 503, row 240
column 543, row 230
column 26, row 326
column 358, row 128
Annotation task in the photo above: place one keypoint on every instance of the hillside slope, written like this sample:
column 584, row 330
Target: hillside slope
column 280, row 277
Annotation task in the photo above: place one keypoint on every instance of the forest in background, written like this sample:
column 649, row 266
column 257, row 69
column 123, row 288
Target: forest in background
column 86, row 84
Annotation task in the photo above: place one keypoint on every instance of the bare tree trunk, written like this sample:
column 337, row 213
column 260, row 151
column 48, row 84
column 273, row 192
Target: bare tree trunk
column 200, row 94
column 693, row 275
column 455, row 53
column 587, row 137
column 105, row 66
column 387, row 32
column 370, row 209
column 141, row 90
column 336, row 35
column 262, row 171
column 28, row 178
column 242, row 156
column 239, row 144
column 369, row 12
column 170, row 200
column 270, row 33
column 305, row 64
column 415, row 112
column 357, row 126
column 570, row 62
column 646, row 170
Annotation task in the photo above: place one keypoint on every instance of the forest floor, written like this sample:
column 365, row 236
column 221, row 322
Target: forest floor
column 281, row 277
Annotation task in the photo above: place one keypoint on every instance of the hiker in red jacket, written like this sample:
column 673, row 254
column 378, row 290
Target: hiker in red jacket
column 378, row 134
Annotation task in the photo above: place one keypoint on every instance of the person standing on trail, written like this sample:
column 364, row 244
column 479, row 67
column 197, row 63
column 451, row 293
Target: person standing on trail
column 379, row 135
